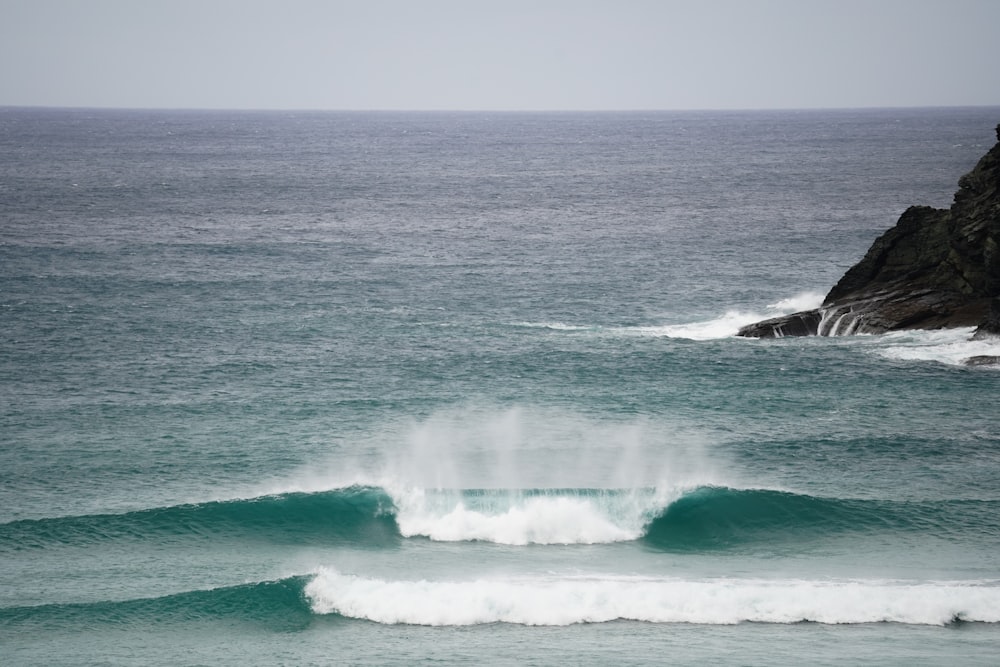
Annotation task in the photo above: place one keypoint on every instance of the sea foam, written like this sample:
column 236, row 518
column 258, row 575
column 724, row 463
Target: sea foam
column 946, row 346
column 593, row 599
column 722, row 326
column 519, row 518
column 729, row 323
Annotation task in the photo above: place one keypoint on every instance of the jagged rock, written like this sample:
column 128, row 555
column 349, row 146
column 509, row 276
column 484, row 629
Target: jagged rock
column 990, row 326
column 936, row 268
column 799, row 324
column 982, row 360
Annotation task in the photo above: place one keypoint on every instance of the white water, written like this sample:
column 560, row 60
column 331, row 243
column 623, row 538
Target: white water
column 545, row 476
column 945, row 346
column 568, row 600
column 556, row 517
column 729, row 323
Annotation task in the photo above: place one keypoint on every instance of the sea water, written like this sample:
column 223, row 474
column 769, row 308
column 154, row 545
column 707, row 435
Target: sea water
column 411, row 388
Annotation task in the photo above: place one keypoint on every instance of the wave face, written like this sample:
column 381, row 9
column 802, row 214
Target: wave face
column 701, row 519
column 565, row 601
column 362, row 515
column 277, row 605
column 719, row 517
column 291, row 604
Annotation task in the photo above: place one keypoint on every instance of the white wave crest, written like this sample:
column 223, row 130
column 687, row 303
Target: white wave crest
column 946, row 346
column 796, row 304
column 731, row 321
column 511, row 517
column 569, row 600
column 720, row 327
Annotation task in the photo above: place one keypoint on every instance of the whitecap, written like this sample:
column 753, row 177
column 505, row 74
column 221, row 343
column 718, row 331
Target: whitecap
column 730, row 322
column 519, row 518
column 565, row 600
column 946, row 346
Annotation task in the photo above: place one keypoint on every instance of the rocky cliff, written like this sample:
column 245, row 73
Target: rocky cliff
column 936, row 268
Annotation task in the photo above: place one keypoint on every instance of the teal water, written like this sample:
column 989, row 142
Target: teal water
column 396, row 388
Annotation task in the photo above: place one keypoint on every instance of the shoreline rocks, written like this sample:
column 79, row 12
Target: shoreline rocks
column 936, row 268
column 983, row 360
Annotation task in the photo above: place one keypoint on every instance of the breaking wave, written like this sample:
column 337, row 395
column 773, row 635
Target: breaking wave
column 702, row 518
column 293, row 603
column 597, row 599
column 728, row 324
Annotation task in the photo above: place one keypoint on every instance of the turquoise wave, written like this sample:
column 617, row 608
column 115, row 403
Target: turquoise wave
column 362, row 515
column 295, row 603
column 721, row 517
column 279, row 606
column 706, row 518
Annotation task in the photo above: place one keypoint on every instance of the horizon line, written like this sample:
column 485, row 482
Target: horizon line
column 377, row 110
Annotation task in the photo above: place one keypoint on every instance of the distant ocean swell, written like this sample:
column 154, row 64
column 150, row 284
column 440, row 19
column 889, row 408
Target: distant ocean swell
column 704, row 518
column 293, row 603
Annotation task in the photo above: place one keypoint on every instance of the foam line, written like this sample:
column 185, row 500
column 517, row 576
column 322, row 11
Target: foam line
column 945, row 346
column 569, row 600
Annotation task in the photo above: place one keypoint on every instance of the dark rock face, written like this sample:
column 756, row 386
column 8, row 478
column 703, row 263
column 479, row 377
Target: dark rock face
column 982, row 360
column 990, row 326
column 936, row 268
column 797, row 324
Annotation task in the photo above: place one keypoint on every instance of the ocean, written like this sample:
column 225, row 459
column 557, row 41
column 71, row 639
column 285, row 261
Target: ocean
column 303, row 388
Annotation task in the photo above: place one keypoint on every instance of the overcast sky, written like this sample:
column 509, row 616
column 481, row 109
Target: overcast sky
column 499, row 54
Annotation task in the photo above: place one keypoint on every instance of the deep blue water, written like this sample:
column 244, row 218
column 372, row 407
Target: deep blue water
column 395, row 388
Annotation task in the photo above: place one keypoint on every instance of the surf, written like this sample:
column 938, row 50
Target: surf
column 951, row 347
column 701, row 518
column 529, row 516
column 727, row 324
column 295, row 602
column 567, row 600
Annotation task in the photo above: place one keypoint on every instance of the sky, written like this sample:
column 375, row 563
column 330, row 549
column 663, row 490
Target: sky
column 499, row 54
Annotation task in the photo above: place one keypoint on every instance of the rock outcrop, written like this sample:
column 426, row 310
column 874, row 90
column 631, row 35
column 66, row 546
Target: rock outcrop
column 936, row 268
column 983, row 360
